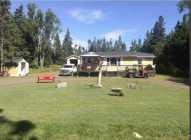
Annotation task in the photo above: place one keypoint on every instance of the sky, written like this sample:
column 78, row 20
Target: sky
column 88, row 19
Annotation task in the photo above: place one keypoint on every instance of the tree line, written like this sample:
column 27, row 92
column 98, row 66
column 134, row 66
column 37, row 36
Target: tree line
column 104, row 45
column 172, row 49
column 33, row 35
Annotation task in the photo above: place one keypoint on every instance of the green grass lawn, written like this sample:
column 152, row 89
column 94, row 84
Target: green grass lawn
column 157, row 109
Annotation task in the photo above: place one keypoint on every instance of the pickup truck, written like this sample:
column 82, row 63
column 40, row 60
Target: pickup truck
column 68, row 69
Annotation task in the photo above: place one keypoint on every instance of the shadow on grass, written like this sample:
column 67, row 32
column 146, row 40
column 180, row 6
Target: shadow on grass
column 19, row 129
column 92, row 86
column 180, row 80
column 86, row 74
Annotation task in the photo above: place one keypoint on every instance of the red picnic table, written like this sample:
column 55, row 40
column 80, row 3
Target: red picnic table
column 46, row 78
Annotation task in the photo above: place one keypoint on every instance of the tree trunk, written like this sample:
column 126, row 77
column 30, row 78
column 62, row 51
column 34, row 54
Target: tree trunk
column 2, row 54
column 37, row 61
column 42, row 61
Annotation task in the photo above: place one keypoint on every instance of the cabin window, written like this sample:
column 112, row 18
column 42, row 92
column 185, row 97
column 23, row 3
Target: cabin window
column 118, row 61
column 90, row 60
column 113, row 61
column 108, row 61
column 85, row 60
column 140, row 61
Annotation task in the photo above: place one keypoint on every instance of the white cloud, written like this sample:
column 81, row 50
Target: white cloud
column 79, row 42
column 75, row 41
column 87, row 16
column 114, row 35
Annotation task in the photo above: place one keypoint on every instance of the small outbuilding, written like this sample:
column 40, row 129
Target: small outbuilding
column 17, row 67
column 73, row 59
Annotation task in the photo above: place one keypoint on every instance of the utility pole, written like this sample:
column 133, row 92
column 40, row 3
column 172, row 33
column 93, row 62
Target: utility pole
column 99, row 76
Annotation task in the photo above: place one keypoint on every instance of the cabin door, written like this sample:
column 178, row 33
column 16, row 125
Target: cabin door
column 23, row 68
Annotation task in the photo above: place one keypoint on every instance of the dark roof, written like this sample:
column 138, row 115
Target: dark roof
column 17, row 59
column 13, row 62
column 124, row 54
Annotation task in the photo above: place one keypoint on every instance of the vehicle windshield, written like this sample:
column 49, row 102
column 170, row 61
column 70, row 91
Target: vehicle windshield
column 67, row 66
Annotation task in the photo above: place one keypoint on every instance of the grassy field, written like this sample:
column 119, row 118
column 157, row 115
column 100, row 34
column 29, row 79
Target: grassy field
column 50, row 69
column 157, row 109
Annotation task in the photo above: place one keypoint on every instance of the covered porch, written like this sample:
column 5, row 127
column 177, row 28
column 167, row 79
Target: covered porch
column 90, row 62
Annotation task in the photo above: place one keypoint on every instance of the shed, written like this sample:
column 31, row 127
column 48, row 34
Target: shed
column 18, row 67
column 73, row 59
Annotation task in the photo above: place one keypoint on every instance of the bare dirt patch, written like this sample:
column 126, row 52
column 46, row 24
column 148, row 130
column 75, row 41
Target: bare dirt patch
column 31, row 79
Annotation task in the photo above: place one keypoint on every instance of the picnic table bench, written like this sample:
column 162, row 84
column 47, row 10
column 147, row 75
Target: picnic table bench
column 46, row 78
column 116, row 89
column 116, row 92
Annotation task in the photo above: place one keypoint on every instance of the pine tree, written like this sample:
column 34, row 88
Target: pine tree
column 31, row 34
column 175, row 57
column 94, row 45
column 123, row 47
column 19, row 28
column 135, row 46
column 154, row 40
column 185, row 5
column 59, row 51
column 40, row 37
column 119, row 45
column 147, row 43
column 90, row 47
column 31, row 11
column 104, row 47
column 67, row 44
column 19, row 16
column 4, row 30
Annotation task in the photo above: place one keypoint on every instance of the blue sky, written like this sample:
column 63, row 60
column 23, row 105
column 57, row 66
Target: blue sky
column 109, row 19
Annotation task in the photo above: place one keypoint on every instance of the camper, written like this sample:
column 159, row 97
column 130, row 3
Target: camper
column 73, row 59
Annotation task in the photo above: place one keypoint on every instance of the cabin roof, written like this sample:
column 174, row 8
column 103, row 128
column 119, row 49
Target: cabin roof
column 17, row 60
column 14, row 62
column 72, row 56
column 91, row 54
column 120, row 54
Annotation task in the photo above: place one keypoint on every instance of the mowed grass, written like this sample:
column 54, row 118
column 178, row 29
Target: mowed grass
column 157, row 109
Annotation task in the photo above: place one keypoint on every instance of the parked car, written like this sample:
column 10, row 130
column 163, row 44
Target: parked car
column 68, row 69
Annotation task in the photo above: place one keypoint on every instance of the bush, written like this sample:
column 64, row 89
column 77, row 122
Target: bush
column 149, row 67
